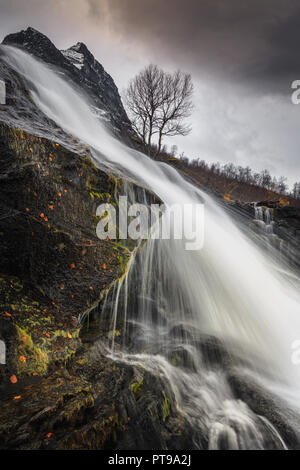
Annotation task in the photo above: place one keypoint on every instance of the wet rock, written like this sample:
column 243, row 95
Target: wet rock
column 99, row 404
column 54, row 268
column 262, row 402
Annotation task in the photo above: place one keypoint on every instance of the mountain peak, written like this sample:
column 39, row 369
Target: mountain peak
column 81, row 67
column 80, row 47
column 26, row 37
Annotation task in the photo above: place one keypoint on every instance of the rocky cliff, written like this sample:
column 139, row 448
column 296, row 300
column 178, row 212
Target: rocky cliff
column 83, row 69
column 58, row 388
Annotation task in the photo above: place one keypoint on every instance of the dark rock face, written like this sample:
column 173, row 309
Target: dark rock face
column 58, row 389
column 53, row 267
column 82, row 68
column 264, row 403
column 95, row 404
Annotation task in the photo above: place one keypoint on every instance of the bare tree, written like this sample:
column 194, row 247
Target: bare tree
column 143, row 98
column 296, row 191
column 158, row 104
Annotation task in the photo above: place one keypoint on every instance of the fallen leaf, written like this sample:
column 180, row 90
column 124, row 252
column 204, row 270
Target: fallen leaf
column 42, row 215
column 22, row 358
column 49, row 435
column 69, row 336
column 73, row 266
column 17, row 397
column 13, row 379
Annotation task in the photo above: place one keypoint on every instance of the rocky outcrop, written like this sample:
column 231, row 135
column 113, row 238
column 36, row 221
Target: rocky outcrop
column 83, row 69
column 58, row 388
column 54, row 268
column 94, row 404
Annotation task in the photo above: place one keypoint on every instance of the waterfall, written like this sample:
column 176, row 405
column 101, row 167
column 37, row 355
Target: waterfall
column 189, row 312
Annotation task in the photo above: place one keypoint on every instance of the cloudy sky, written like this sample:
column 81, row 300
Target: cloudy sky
column 242, row 54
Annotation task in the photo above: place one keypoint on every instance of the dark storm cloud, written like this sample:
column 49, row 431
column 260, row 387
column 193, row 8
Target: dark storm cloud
column 255, row 39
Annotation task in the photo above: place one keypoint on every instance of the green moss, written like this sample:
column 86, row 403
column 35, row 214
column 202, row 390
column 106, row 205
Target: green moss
column 166, row 408
column 28, row 357
column 136, row 387
column 81, row 402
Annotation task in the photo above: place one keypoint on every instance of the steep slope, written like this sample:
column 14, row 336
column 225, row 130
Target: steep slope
column 58, row 390
column 83, row 69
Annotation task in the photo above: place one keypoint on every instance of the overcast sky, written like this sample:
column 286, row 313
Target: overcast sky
column 242, row 54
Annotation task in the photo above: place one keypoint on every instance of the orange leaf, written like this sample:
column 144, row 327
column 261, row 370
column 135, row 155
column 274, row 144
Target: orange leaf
column 49, row 435
column 13, row 379
column 17, row 397
column 51, row 208
column 27, row 209
column 69, row 336
column 47, row 334
column 22, row 358
column 59, row 194
column 42, row 215
column 8, row 314
column 104, row 266
column 73, row 266
column 35, row 374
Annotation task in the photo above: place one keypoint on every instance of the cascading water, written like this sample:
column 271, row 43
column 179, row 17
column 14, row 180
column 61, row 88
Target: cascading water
column 193, row 316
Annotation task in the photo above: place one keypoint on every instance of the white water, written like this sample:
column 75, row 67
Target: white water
column 227, row 289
